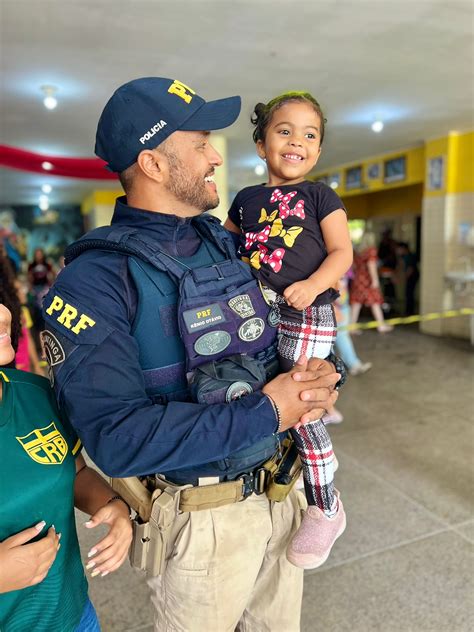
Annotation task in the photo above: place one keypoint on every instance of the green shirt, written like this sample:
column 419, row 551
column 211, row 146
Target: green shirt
column 37, row 470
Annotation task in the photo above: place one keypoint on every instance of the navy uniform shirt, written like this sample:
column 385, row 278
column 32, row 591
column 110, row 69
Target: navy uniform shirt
column 98, row 379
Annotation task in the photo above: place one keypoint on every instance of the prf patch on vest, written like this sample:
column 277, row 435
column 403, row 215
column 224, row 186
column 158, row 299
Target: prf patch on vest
column 69, row 316
column 45, row 445
column 203, row 317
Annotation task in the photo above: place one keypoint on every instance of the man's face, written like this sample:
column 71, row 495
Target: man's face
column 192, row 161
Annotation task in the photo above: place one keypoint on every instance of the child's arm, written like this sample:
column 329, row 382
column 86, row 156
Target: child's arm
column 339, row 247
column 229, row 224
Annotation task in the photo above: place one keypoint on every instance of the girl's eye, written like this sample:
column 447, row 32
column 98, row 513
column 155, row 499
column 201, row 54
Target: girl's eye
column 285, row 132
column 312, row 136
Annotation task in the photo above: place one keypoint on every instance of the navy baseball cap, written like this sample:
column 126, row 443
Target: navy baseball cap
column 142, row 113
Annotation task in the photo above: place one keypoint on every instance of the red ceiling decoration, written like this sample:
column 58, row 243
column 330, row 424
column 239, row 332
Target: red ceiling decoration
column 85, row 168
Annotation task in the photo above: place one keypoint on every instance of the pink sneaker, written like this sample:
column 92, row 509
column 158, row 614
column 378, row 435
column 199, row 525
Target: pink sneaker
column 312, row 543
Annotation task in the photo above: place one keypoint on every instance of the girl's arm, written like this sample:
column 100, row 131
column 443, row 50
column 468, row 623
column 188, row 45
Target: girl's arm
column 229, row 224
column 339, row 247
column 93, row 495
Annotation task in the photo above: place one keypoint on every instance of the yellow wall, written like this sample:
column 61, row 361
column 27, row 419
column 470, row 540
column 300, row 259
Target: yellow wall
column 99, row 198
column 402, row 200
column 415, row 172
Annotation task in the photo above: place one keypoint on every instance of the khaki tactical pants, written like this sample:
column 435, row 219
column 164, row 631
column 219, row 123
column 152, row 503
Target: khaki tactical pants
column 228, row 570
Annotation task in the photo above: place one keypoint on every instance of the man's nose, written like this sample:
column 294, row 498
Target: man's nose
column 215, row 158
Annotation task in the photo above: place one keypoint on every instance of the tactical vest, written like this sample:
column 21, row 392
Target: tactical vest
column 192, row 310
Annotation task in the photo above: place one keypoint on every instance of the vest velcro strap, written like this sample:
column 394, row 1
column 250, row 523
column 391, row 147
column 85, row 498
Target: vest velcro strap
column 211, row 496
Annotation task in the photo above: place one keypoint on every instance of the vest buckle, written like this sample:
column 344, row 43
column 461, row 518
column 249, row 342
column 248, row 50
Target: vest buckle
column 220, row 274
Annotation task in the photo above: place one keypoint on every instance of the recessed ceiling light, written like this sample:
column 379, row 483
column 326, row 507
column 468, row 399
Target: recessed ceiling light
column 49, row 101
column 259, row 170
column 47, row 166
column 377, row 126
column 46, row 188
column 44, row 202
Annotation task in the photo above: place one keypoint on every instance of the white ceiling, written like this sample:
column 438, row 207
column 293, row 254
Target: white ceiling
column 407, row 61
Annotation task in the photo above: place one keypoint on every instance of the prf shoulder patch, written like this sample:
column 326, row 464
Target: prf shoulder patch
column 69, row 316
column 75, row 322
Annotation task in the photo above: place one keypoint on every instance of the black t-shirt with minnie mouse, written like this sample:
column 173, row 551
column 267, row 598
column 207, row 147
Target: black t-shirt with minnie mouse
column 281, row 231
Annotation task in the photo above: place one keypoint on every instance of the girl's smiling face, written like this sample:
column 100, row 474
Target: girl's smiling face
column 7, row 352
column 292, row 143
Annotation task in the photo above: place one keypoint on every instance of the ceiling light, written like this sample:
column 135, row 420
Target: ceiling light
column 259, row 170
column 44, row 202
column 47, row 166
column 49, row 101
column 46, row 188
column 334, row 184
column 377, row 126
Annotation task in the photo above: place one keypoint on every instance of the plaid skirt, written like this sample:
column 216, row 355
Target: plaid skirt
column 313, row 336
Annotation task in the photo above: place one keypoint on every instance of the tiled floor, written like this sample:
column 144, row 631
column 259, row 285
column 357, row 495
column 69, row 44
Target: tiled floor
column 405, row 449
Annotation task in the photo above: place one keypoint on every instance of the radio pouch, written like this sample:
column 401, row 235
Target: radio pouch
column 283, row 471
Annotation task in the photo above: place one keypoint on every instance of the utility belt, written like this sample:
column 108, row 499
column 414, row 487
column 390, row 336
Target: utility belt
column 157, row 502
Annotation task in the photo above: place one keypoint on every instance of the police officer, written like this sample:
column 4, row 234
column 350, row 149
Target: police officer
column 122, row 344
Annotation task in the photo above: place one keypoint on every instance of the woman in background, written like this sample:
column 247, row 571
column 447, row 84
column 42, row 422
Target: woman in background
column 365, row 289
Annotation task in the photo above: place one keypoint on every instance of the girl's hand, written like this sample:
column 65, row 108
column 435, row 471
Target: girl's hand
column 300, row 294
column 22, row 564
column 108, row 554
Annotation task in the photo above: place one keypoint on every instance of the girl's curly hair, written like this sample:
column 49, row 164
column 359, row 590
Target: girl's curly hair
column 8, row 296
column 263, row 112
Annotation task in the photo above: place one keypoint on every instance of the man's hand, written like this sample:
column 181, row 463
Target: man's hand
column 22, row 564
column 323, row 397
column 304, row 393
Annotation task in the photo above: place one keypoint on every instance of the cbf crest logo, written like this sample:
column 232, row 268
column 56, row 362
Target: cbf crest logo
column 45, row 445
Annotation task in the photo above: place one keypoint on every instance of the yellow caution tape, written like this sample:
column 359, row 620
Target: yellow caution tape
column 407, row 320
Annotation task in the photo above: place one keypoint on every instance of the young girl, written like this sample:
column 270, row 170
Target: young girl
column 296, row 238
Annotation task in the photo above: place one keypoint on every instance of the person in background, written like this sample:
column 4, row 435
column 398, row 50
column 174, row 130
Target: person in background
column 9, row 297
column 26, row 356
column 388, row 261
column 40, row 271
column 40, row 277
column 411, row 275
column 344, row 344
column 42, row 582
column 365, row 288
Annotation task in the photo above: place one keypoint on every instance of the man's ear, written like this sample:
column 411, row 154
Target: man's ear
column 153, row 164
column 260, row 149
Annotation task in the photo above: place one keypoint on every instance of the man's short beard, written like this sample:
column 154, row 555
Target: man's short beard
column 185, row 187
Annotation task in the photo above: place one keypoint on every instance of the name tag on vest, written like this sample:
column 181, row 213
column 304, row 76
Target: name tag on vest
column 204, row 317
